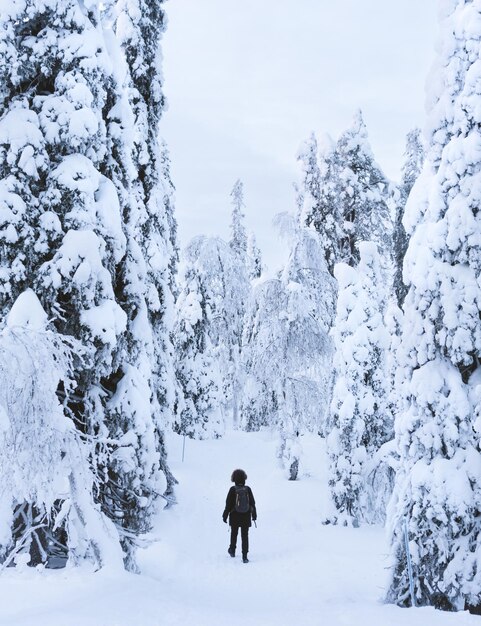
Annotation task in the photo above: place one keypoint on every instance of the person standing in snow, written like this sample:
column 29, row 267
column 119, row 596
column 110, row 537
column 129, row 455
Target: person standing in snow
column 240, row 508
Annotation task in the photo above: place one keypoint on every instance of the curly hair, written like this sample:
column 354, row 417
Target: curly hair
column 238, row 477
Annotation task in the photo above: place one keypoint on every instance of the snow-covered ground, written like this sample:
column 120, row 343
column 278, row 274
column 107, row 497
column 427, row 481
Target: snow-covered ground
column 300, row 572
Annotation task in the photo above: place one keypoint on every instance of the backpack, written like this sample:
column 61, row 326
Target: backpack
column 242, row 504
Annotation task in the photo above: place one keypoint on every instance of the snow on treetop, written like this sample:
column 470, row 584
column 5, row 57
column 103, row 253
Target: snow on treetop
column 327, row 145
column 355, row 137
column 27, row 312
column 307, row 147
column 446, row 7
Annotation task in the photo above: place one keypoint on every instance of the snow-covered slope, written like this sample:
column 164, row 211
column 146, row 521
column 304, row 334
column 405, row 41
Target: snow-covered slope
column 300, row 572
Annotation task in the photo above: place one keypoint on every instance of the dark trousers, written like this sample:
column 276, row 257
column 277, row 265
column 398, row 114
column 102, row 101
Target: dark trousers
column 244, row 536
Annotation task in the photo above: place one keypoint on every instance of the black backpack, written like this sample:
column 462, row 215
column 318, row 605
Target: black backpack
column 242, row 504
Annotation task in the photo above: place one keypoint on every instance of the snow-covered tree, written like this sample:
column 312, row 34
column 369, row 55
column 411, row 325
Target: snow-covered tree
column 287, row 324
column 225, row 286
column 46, row 502
column 254, row 258
column 363, row 191
column 54, row 187
column 438, row 485
column 69, row 181
column 263, row 327
column 414, row 158
column 222, row 278
column 393, row 320
column 142, row 386
column 246, row 261
column 139, row 27
column 359, row 421
column 238, row 240
column 52, row 135
column 199, row 412
column 319, row 195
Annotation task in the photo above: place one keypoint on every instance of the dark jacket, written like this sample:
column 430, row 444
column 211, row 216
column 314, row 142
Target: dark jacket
column 235, row 518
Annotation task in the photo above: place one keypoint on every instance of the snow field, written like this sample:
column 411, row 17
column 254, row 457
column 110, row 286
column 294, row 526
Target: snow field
column 301, row 572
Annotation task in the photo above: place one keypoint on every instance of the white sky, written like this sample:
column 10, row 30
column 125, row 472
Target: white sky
column 248, row 80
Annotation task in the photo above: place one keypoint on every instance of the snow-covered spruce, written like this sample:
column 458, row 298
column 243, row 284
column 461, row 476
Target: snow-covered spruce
column 288, row 324
column 363, row 193
column 238, row 240
column 142, row 387
column 438, row 486
column 70, row 225
column 246, row 262
column 46, row 502
column 414, row 158
column 359, row 422
column 319, row 195
column 139, row 27
column 53, row 140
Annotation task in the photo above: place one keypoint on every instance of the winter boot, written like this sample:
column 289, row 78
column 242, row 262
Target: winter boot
column 245, row 559
column 231, row 551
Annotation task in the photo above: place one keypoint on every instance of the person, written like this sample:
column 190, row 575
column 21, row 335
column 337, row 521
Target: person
column 236, row 499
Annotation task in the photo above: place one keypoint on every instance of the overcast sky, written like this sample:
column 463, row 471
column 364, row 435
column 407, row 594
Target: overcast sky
column 247, row 81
